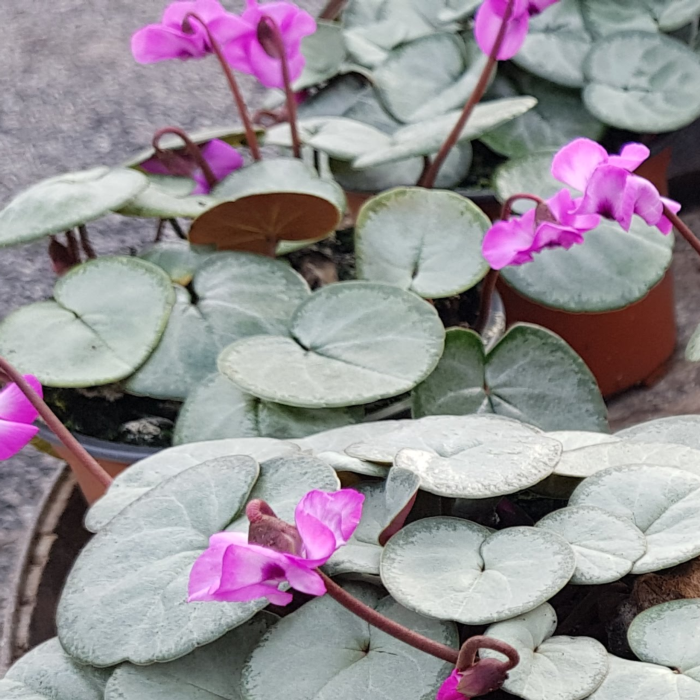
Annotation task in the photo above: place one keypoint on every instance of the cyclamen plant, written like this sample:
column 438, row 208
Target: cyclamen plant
column 194, row 543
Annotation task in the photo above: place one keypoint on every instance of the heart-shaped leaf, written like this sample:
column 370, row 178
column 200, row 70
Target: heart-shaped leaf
column 439, row 434
column 324, row 51
column 605, row 545
column 167, row 198
column 148, row 473
column 384, row 512
column 178, row 258
column 126, row 596
column 558, row 118
column 269, row 201
column 426, row 241
column 212, row 672
column 631, row 680
column 508, row 381
column 106, row 318
column 330, row 445
column 557, row 44
column 642, row 82
column 587, row 461
column 234, row 296
column 48, row 673
column 457, row 570
column 678, row 430
column 217, row 408
column 331, row 653
column 603, row 18
column 428, row 77
column 575, row 439
column 65, row 201
column 663, row 502
column 351, row 343
column 666, row 634
column 425, row 137
column 550, row 668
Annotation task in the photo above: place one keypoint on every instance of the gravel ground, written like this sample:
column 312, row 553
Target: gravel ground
column 73, row 98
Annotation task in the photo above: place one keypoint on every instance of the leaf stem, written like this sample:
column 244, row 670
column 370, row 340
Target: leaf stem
column 370, row 615
column 251, row 138
column 85, row 242
column 270, row 38
column 73, row 248
column 487, row 290
column 428, row 179
column 683, row 229
column 332, row 9
column 60, row 430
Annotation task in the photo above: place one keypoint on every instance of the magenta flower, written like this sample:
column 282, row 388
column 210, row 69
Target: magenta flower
column 16, row 418
column 490, row 17
column 515, row 241
column 610, row 187
column 448, row 690
column 168, row 40
column 239, row 568
column 222, row 158
column 246, row 53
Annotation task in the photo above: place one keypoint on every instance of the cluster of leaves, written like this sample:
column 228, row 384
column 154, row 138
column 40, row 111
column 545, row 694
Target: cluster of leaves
column 589, row 63
column 618, row 508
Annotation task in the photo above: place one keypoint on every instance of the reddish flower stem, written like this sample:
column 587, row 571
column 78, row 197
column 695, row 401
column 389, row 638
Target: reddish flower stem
column 85, row 243
column 271, row 40
column 683, row 229
column 507, row 208
column 73, row 248
column 428, row 179
column 332, row 9
column 370, row 615
column 191, row 148
column 487, row 290
column 50, row 418
column 467, row 654
column 251, row 138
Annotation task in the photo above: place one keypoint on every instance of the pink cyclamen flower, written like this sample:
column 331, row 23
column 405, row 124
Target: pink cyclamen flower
column 234, row 569
column 16, row 418
column 246, row 53
column 515, row 241
column 448, row 690
column 222, row 158
column 169, row 39
column 490, row 16
column 609, row 185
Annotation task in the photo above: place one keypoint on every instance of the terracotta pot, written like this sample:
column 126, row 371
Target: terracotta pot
column 624, row 347
column 48, row 551
column 113, row 457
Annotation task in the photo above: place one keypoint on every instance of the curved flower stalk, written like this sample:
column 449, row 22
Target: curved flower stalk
column 17, row 416
column 239, row 567
column 220, row 158
column 549, row 225
column 488, row 22
column 610, row 187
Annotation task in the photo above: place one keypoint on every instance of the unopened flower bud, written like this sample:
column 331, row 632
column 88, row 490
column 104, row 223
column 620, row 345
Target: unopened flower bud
column 267, row 530
column 269, row 37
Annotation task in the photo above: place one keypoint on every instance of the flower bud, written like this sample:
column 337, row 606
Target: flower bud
column 267, row 530
column 269, row 38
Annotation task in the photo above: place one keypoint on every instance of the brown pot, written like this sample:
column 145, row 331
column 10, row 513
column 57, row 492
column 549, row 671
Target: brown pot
column 112, row 457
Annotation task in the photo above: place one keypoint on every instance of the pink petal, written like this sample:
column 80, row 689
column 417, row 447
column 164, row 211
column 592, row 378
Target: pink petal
column 15, row 406
column 319, row 541
column 607, row 194
column 448, row 690
column 631, row 156
column 550, row 235
column 487, row 26
column 340, row 512
column 158, row 43
column 222, row 158
column 303, row 579
column 646, row 198
column 564, row 207
column 14, row 436
column 575, row 163
column 175, row 13
column 228, row 28
column 294, row 23
column 664, row 224
column 265, row 68
column 508, row 242
column 155, row 166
